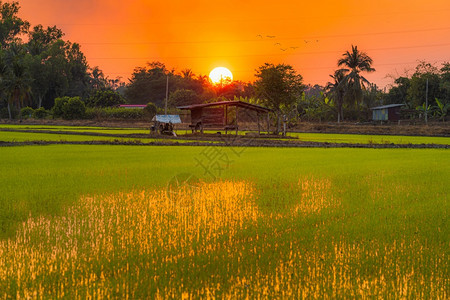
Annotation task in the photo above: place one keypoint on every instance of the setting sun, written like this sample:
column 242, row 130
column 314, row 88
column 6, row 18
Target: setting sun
column 220, row 75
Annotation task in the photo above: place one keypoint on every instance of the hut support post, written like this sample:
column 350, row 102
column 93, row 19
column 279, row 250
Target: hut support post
column 268, row 123
column 226, row 119
column 259, row 125
column 236, row 120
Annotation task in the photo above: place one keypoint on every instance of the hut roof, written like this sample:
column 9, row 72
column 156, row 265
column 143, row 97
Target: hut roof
column 174, row 119
column 386, row 106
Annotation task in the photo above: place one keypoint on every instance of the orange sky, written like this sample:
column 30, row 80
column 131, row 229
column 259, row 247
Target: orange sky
column 119, row 35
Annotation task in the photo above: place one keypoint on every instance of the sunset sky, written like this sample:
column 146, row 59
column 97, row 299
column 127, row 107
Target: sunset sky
column 119, row 35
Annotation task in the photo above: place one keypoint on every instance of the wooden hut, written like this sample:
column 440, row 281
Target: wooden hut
column 226, row 115
column 389, row 112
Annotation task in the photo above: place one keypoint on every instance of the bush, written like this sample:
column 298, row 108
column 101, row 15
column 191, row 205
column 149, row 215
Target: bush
column 26, row 112
column 112, row 113
column 40, row 113
column 57, row 109
column 95, row 113
column 125, row 113
column 69, row 108
column 150, row 110
column 74, row 109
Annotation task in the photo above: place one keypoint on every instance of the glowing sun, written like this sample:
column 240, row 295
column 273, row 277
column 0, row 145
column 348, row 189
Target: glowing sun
column 220, row 75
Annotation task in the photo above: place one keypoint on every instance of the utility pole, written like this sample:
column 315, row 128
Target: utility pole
column 167, row 95
column 426, row 104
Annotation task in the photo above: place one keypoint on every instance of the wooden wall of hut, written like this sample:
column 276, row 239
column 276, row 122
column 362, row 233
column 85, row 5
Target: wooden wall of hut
column 213, row 116
column 196, row 116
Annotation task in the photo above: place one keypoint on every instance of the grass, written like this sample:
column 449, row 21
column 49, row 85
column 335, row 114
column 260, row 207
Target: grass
column 369, row 139
column 303, row 137
column 89, row 129
column 96, row 221
column 15, row 136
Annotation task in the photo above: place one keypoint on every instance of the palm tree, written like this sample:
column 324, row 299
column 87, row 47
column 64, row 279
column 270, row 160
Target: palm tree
column 337, row 90
column 16, row 80
column 187, row 73
column 354, row 63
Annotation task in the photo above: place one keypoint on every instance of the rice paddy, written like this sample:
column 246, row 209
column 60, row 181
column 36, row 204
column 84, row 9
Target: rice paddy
column 87, row 133
column 27, row 137
column 100, row 222
column 369, row 139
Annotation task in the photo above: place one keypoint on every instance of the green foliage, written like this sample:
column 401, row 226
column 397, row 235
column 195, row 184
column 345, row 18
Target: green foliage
column 149, row 81
column 40, row 113
column 278, row 86
column 44, row 67
column 16, row 79
column 74, row 108
column 26, row 112
column 418, row 87
column 441, row 109
column 316, row 107
column 113, row 113
column 105, row 98
column 412, row 90
column 184, row 97
column 355, row 62
column 58, row 108
column 423, row 109
column 399, row 92
column 10, row 24
column 126, row 113
column 150, row 110
column 336, row 90
column 69, row 108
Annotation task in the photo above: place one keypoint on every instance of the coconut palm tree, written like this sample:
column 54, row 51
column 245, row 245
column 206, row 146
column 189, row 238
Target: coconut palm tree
column 354, row 63
column 337, row 90
column 187, row 73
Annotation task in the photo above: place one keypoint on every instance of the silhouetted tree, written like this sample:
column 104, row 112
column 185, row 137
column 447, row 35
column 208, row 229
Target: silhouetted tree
column 184, row 97
column 279, row 87
column 336, row 90
column 355, row 62
column 16, row 80
column 11, row 26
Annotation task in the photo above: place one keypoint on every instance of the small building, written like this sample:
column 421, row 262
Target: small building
column 389, row 112
column 226, row 115
column 130, row 106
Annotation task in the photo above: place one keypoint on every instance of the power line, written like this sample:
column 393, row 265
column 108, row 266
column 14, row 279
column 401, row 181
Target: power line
column 253, row 20
column 261, row 55
column 265, row 40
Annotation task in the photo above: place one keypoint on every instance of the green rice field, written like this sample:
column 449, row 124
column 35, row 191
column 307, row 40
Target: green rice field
column 80, row 133
column 15, row 136
column 369, row 139
column 113, row 221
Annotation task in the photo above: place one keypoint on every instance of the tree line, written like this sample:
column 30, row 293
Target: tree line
column 40, row 70
column 37, row 65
